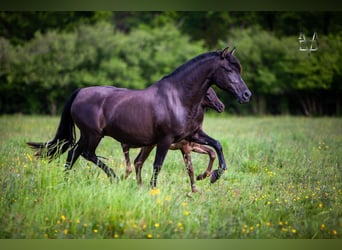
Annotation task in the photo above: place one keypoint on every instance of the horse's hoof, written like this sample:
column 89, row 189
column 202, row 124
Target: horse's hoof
column 214, row 176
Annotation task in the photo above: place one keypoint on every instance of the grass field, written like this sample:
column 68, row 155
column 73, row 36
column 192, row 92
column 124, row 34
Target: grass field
column 283, row 181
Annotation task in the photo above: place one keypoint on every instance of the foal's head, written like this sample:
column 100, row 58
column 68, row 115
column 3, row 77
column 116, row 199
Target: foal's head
column 228, row 76
column 212, row 101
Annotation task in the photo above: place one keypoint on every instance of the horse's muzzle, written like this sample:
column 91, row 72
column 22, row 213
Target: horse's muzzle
column 245, row 97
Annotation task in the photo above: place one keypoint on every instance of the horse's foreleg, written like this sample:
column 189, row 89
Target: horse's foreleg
column 202, row 138
column 125, row 150
column 212, row 156
column 139, row 161
column 162, row 149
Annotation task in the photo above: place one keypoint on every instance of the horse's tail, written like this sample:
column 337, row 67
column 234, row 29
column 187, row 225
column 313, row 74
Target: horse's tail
column 64, row 138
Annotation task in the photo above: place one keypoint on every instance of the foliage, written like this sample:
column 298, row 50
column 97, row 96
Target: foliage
column 283, row 181
column 44, row 56
column 55, row 63
column 20, row 27
column 275, row 66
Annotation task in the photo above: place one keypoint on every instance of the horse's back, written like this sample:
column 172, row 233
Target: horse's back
column 126, row 115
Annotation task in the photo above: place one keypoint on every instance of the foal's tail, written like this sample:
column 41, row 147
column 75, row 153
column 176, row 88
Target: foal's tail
column 64, row 138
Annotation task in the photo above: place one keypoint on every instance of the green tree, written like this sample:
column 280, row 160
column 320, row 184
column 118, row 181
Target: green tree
column 21, row 26
column 261, row 55
column 42, row 72
column 312, row 76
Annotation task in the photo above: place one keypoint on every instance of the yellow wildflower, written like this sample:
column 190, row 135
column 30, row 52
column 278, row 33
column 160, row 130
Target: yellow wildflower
column 154, row 191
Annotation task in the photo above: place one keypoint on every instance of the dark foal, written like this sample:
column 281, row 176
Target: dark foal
column 186, row 147
column 165, row 112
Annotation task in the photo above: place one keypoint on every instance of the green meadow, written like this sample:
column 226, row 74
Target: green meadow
column 283, row 181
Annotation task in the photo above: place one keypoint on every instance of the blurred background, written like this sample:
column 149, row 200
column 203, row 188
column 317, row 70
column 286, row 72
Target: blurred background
column 44, row 56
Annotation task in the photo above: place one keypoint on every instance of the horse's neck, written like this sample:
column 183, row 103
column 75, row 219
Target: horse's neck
column 194, row 81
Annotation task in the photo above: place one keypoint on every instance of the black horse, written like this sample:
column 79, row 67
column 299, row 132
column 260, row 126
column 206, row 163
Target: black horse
column 210, row 100
column 164, row 113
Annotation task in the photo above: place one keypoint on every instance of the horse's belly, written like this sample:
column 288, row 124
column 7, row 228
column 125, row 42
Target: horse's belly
column 131, row 132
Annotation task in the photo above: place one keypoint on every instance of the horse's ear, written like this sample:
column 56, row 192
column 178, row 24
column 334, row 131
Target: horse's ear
column 233, row 51
column 224, row 52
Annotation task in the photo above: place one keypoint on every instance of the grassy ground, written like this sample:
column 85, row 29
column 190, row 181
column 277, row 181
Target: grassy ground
column 283, row 181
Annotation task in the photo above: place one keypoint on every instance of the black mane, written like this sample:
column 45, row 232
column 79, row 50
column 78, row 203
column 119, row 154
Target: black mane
column 191, row 62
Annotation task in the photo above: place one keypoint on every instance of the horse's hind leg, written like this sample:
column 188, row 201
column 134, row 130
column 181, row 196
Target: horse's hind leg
column 89, row 154
column 93, row 158
column 73, row 155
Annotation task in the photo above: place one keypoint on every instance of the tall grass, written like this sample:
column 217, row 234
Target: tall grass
column 283, row 181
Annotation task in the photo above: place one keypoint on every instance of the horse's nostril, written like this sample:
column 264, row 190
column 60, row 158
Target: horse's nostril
column 247, row 94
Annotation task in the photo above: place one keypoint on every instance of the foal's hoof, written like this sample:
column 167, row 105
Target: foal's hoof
column 214, row 176
column 194, row 189
column 200, row 177
column 203, row 176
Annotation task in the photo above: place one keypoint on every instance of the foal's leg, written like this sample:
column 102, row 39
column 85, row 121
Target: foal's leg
column 139, row 161
column 202, row 138
column 186, row 152
column 212, row 156
column 125, row 150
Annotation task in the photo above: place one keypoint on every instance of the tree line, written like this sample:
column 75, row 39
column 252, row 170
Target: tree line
column 44, row 56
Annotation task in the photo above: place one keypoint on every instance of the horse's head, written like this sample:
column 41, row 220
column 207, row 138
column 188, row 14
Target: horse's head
column 228, row 76
column 212, row 101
